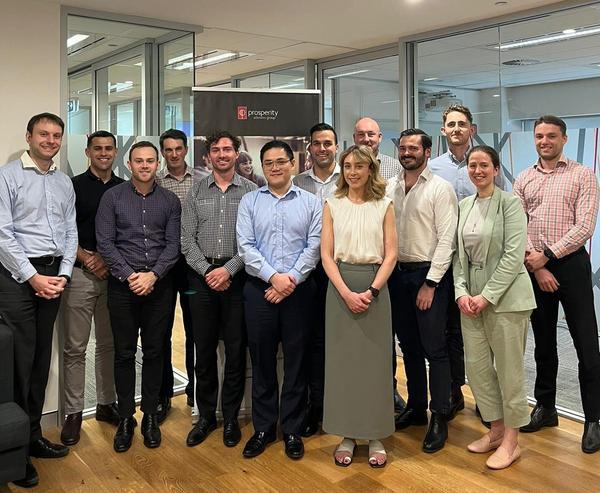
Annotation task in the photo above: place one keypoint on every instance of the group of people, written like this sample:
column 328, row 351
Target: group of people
column 333, row 264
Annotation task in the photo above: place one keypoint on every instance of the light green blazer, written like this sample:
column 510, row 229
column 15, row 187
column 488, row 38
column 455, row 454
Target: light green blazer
column 508, row 287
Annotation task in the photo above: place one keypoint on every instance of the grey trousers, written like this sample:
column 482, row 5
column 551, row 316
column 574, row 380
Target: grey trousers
column 494, row 349
column 84, row 298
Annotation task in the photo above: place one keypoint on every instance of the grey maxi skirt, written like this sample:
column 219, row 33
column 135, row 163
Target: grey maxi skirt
column 358, row 400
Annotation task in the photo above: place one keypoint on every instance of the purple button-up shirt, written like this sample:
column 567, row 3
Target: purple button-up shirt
column 136, row 232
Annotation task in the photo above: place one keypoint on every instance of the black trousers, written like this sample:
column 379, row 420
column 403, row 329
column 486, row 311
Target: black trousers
column 269, row 324
column 31, row 320
column 147, row 316
column 316, row 350
column 180, row 286
column 422, row 335
column 456, row 350
column 214, row 314
column 575, row 293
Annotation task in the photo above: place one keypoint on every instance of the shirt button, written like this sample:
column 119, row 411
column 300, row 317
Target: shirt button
column 220, row 225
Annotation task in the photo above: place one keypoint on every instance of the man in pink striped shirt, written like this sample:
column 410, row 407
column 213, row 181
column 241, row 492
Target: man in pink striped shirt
column 560, row 198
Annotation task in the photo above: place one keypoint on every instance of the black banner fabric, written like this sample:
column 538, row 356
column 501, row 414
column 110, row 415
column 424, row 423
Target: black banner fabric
column 248, row 113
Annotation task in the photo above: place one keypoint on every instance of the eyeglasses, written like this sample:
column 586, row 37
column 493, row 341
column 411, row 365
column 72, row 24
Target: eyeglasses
column 279, row 162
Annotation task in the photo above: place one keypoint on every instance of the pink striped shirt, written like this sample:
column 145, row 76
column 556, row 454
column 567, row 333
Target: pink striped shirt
column 561, row 205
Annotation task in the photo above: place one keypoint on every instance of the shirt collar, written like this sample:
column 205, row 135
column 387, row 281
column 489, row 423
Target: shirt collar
column 164, row 173
column 336, row 172
column 426, row 174
column 235, row 181
column 562, row 162
column 29, row 163
column 92, row 176
column 134, row 190
column 457, row 161
column 293, row 189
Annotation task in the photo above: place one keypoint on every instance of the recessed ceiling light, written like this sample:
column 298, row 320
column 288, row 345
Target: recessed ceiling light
column 569, row 31
column 429, row 79
column 345, row 74
column 521, row 62
column 495, row 95
column 549, row 38
column 76, row 38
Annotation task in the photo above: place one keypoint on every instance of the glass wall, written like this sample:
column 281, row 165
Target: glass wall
column 508, row 76
column 289, row 78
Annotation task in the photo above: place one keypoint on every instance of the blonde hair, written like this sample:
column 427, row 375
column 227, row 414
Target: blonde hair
column 375, row 186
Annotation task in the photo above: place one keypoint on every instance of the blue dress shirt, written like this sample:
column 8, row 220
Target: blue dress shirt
column 279, row 234
column 37, row 217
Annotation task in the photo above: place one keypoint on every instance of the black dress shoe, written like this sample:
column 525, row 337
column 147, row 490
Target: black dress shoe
column 257, row 443
column 294, row 448
column 124, row 435
column 200, row 431
column 457, row 403
column 313, row 417
column 590, row 442
column 163, row 408
column 71, row 430
column 45, row 449
column 541, row 416
column 410, row 417
column 399, row 402
column 437, row 433
column 150, row 430
column 31, row 477
column 108, row 413
column 231, row 433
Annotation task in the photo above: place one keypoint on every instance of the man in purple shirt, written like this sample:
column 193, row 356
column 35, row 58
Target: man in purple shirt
column 137, row 230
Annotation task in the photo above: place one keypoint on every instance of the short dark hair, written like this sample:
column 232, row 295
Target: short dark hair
column 101, row 134
column 551, row 120
column 425, row 139
column 323, row 127
column 490, row 151
column 172, row 133
column 223, row 134
column 45, row 116
column 460, row 109
column 277, row 144
column 140, row 144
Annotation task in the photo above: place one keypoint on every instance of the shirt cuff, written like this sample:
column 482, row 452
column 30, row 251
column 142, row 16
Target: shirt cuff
column 297, row 276
column 26, row 274
column 266, row 272
column 124, row 274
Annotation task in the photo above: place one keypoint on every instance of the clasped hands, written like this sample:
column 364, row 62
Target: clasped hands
column 472, row 306
column 142, row 283
column 535, row 262
column 358, row 302
column 47, row 287
column 218, row 279
column 94, row 263
column 282, row 285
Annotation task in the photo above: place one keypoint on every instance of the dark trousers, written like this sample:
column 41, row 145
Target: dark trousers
column 456, row 350
column 316, row 350
column 422, row 335
column 574, row 276
column 180, row 286
column 31, row 320
column 147, row 316
column 214, row 314
column 392, row 284
column 269, row 324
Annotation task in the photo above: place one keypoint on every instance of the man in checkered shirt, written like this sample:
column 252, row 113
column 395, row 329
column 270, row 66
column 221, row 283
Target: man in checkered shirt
column 560, row 198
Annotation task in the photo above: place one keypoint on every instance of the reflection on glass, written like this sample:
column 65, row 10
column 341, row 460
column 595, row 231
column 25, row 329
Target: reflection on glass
column 79, row 119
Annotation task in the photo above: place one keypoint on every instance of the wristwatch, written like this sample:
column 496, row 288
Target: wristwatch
column 431, row 284
column 374, row 291
column 549, row 254
column 67, row 278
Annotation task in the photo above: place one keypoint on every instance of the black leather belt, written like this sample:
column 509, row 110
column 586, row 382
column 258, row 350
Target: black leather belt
column 219, row 262
column 413, row 265
column 45, row 260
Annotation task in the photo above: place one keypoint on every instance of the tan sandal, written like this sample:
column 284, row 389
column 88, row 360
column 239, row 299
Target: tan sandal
column 344, row 452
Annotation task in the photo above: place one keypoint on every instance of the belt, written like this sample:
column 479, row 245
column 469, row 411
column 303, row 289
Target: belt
column 45, row 260
column 413, row 265
column 219, row 262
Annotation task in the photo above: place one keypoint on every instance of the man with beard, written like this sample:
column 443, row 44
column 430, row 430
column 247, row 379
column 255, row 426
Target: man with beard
column 560, row 198
column 426, row 216
column 367, row 132
column 321, row 180
column 216, row 278
column 85, row 297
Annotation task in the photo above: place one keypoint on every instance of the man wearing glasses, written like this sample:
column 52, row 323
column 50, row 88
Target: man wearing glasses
column 278, row 233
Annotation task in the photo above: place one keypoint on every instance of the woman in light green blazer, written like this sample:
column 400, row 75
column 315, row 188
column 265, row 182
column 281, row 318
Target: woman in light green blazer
column 495, row 297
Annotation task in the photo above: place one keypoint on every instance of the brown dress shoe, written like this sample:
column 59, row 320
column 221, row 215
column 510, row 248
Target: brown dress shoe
column 71, row 429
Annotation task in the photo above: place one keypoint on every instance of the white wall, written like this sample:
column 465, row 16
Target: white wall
column 29, row 84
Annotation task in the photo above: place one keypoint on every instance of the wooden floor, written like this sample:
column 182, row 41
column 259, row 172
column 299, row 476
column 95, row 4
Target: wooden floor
column 552, row 461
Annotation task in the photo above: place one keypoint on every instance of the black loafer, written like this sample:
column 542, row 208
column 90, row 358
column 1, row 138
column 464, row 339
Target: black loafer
column 294, row 448
column 399, row 402
column 457, row 404
column 410, row 417
column 151, row 431
column 200, row 431
column 540, row 417
column 124, row 435
column 437, row 433
column 310, row 426
column 45, row 449
column 71, row 430
column 31, row 477
column 108, row 413
column 590, row 442
column 163, row 408
column 231, row 433
column 257, row 443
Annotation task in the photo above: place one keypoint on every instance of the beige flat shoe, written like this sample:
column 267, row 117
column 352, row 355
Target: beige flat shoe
column 501, row 459
column 484, row 444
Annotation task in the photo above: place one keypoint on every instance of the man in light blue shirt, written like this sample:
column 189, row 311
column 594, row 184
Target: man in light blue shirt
column 278, row 234
column 38, row 244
